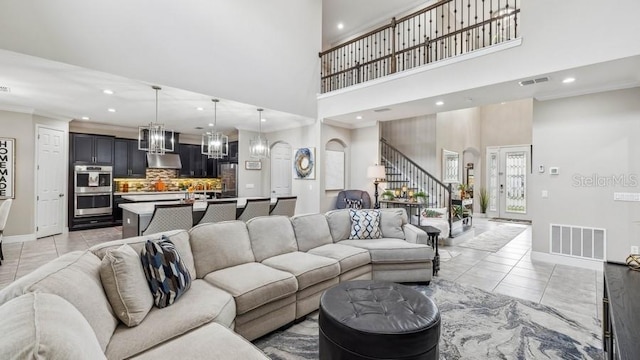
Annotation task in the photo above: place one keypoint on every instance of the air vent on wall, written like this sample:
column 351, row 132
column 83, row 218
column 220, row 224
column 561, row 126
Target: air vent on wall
column 5, row 89
column 533, row 81
column 578, row 241
column 381, row 110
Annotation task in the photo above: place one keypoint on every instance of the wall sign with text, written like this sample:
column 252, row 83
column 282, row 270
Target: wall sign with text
column 7, row 168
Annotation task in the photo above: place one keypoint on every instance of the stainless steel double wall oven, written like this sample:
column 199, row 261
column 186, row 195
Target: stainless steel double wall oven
column 92, row 188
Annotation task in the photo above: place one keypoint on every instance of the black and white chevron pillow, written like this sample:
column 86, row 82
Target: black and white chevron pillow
column 167, row 275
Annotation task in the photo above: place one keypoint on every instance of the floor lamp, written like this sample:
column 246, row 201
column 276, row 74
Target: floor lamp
column 377, row 173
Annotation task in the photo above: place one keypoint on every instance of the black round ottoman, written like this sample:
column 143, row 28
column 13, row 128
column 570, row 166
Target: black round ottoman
column 367, row 319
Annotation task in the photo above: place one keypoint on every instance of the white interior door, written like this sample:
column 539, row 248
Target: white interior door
column 50, row 182
column 281, row 170
column 507, row 177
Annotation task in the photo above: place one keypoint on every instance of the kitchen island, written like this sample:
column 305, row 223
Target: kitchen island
column 137, row 215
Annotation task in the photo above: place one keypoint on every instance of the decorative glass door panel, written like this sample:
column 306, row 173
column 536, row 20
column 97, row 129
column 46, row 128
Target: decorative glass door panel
column 515, row 180
column 493, row 187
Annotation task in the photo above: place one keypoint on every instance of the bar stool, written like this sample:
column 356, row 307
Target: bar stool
column 170, row 217
column 219, row 210
column 285, row 206
column 254, row 208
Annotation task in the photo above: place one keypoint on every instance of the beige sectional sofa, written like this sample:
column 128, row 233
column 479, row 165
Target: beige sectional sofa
column 248, row 279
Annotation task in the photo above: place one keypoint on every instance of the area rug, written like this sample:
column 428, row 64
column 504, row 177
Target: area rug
column 475, row 324
column 494, row 239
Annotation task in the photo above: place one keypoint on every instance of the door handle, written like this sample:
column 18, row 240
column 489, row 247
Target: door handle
column 60, row 195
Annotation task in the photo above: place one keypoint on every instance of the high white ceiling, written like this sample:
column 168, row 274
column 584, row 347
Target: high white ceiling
column 60, row 90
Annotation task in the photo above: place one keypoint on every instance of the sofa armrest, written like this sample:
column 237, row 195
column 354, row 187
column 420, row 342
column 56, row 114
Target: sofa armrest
column 415, row 235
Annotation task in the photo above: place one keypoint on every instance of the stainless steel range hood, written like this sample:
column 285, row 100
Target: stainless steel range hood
column 166, row 161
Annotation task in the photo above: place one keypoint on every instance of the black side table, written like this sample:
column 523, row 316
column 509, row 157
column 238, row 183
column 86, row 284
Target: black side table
column 433, row 233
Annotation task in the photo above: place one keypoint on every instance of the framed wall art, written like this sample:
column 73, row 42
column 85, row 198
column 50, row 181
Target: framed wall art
column 7, row 168
column 253, row 165
column 304, row 163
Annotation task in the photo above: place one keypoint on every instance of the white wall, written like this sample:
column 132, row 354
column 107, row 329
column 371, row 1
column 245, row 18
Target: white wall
column 591, row 135
column 363, row 152
column 22, row 127
column 257, row 52
column 414, row 137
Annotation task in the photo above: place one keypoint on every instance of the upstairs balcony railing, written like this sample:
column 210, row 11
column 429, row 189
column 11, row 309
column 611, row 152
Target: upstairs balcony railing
column 445, row 29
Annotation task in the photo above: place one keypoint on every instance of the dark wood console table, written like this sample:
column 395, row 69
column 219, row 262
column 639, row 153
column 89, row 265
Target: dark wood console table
column 621, row 312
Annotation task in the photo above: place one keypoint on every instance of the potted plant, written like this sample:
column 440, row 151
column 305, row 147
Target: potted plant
column 388, row 195
column 484, row 200
column 457, row 211
column 421, row 197
column 463, row 190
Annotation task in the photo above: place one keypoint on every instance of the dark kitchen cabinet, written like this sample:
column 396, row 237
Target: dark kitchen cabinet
column 194, row 163
column 91, row 149
column 128, row 162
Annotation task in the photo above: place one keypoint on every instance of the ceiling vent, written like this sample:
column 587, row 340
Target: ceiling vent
column 381, row 110
column 533, row 81
column 5, row 89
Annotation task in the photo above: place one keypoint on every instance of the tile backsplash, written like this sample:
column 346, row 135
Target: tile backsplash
column 170, row 180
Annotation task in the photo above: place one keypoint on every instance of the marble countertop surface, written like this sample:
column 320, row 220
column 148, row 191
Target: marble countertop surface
column 146, row 208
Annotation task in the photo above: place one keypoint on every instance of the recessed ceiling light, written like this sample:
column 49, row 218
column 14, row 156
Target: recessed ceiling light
column 111, row 110
column 107, row 91
column 263, row 119
column 440, row 103
column 340, row 26
column 85, row 118
column 210, row 124
column 359, row 117
column 199, row 108
column 568, row 80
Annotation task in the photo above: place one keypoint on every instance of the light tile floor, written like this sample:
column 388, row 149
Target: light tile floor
column 511, row 271
column 508, row 271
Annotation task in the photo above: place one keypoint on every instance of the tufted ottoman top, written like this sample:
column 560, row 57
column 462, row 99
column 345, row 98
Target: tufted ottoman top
column 379, row 319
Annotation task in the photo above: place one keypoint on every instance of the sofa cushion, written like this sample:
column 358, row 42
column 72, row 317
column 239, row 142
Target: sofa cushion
column 125, row 284
column 166, row 273
column 45, row 326
column 308, row 269
column 253, row 284
column 180, row 238
column 202, row 304
column 348, row 257
column 312, row 230
column 339, row 224
column 387, row 250
column 76, row 278
column 214, row 340
column 365, row 224
column 271, row 236
column 391, row 222
column 220, row 245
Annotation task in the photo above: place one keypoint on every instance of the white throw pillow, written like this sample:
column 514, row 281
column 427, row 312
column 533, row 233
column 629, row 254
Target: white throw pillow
column 125, row 284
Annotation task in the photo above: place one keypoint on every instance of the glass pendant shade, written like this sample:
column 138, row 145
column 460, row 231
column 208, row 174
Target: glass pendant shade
column 259, row 146
column 154, row 138
column 214, row 144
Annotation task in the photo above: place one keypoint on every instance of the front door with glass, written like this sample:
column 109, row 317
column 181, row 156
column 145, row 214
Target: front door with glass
column 507, row 170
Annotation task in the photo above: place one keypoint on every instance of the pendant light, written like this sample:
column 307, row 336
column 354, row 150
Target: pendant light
column 152, row 138
column 259, row 146
column 214, row 144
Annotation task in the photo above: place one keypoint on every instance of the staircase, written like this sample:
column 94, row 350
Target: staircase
column 401, row 171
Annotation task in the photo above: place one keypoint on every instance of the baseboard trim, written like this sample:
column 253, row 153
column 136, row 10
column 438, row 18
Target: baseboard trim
column 18, row 238
column 567, row 260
